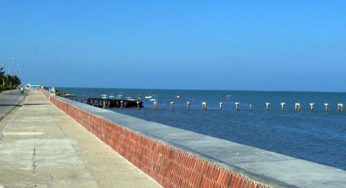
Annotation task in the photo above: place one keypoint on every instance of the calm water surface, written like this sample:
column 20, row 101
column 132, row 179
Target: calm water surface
column 316, row 136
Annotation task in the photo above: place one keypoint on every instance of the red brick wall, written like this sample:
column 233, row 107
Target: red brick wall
column 169, row 166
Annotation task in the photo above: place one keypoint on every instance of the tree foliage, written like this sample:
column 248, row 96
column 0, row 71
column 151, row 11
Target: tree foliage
column 8, row 81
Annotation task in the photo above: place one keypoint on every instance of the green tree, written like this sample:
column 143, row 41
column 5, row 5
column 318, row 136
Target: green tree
column 17, row 81
column 8, row 81
column 2, row 78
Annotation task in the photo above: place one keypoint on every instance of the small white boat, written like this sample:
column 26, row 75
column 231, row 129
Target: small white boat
column 148, row 97
column 152, row 100
column 119, row 96
column 228, row 97
column 104, row 96
column 130, row 99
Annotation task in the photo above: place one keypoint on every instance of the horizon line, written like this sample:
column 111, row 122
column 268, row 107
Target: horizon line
column 195, row 89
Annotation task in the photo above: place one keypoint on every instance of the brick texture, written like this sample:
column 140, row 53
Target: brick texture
column 169, row 166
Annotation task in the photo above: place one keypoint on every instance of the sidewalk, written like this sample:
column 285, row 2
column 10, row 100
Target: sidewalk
column 40, row 146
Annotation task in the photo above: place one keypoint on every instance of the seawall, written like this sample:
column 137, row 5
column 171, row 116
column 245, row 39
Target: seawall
column 180, row 158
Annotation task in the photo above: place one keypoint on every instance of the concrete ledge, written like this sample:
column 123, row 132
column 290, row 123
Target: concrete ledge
column 179, row 158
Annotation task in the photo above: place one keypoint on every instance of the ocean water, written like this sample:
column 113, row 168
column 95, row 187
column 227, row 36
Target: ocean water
column 317, row 136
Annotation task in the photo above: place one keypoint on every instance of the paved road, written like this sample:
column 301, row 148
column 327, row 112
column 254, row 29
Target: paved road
column 43, row 147
column 8, row 100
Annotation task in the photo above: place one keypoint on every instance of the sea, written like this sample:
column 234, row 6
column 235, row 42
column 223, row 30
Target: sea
column 318, row 136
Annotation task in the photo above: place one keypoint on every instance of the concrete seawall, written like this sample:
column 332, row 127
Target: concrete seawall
column 180, row 158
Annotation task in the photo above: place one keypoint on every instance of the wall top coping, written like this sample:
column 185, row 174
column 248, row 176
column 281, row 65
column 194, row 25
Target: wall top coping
column 264, row 166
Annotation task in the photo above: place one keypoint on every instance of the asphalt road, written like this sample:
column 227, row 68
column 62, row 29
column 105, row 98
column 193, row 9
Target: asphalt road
column 9, row 100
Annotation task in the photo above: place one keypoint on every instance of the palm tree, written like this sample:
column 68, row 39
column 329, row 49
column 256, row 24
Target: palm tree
column 17, row 80
column 2, row 78
column 12, row 81
column 8, row 81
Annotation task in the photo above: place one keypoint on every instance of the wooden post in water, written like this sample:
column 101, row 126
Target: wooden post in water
column 326, row 105
column 121, row 104
column 297, row 107
column 267, row 106
column 188, row 105
column 250, row 107
column 172, row 106
column 237, row 106
column 283, row 104
column 155, row 105
column 103, row 103
column 340, row 107
column 204, row 106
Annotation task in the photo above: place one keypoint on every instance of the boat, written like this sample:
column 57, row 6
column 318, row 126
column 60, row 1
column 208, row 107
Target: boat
column 69, row 96
column 178, row 96
column 130, row 99
column 119, row 96
column 104, row 96
column 148, row 97
column 152, row 100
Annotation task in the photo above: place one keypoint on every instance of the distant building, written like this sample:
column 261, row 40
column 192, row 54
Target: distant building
column 33, row 86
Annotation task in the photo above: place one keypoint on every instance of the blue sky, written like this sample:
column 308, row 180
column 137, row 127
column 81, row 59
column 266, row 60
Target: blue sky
column 241, row 45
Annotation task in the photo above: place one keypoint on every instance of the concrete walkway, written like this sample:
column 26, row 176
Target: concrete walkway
column 40, row 146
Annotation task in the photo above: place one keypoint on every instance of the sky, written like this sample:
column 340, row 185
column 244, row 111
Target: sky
column 292, row 45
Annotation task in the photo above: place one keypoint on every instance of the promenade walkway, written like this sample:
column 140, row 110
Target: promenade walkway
column 40, row 146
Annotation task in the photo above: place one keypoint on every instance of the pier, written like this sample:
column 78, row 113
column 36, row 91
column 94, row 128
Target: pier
column 221, row 106
column 114, row 103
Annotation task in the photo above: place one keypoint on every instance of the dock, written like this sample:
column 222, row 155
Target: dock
column 114, row 103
